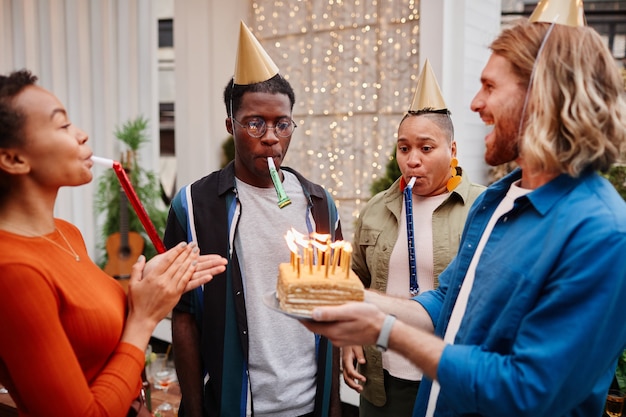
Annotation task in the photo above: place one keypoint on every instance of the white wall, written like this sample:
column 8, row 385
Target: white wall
column 455, row 35
column 206, row 33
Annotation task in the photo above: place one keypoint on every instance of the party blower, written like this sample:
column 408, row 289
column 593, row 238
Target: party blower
column 134, row 200
column 283, row 200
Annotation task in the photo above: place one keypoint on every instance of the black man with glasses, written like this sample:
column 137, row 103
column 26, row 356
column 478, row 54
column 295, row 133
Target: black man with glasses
column 234, row 356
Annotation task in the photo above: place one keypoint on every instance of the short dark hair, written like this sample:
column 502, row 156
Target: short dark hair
column 275, row 85
column 439, row 117
column 11, row 117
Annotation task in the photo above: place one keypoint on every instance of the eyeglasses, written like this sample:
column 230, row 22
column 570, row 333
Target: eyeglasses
column 257, row 126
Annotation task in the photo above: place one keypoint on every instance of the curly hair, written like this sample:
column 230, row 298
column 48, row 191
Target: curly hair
column 275, row 85
column 575, row 117
column 12, row 118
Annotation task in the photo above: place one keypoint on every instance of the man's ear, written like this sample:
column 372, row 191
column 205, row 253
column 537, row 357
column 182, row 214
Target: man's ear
column 12, row 162
column 229, row 125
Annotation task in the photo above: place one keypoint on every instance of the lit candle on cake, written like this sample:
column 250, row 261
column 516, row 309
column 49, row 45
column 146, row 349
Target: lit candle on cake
column 320, row 242
column 298, row 264
column 300, row 296
column 309, row 253
column 320, row 249
column 293, row 248
column 347, row 250
column 321, row 237
column 336, row 254
column 326, row 260
column 299, row 238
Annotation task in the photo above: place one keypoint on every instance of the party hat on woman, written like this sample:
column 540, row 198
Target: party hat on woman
column 427, row 97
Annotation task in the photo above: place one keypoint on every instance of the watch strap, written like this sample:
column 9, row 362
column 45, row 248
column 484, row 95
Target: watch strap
column 383, row 338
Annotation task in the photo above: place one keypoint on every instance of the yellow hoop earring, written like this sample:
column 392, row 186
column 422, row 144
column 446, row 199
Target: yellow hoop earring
column 455, row 179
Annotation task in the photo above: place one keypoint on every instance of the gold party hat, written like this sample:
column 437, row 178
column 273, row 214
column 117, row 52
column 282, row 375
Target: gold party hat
column 253, row 64
column 427, row 94
column 564, row 12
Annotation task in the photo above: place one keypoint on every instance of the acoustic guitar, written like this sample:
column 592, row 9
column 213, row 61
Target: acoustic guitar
column 123, row 247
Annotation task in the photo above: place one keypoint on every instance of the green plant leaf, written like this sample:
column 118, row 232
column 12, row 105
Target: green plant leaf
column 392, row 173
column 145, row 183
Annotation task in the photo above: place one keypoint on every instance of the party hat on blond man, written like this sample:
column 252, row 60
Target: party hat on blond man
column 564, row 12
column 428, row 97
column 253, row 64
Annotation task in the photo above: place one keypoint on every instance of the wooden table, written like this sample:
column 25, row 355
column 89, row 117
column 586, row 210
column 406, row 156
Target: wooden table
column 7, row 406
column 172, row 396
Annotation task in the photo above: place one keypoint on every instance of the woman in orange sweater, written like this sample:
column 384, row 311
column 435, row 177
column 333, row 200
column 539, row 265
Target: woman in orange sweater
column 72, row 344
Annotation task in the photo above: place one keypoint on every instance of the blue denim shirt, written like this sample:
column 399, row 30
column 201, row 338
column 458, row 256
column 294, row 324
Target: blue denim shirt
column 546, row 318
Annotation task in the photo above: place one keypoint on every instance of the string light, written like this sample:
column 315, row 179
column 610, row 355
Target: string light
column 353, row 66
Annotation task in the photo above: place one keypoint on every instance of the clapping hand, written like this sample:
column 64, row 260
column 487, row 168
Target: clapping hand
column 207, row 267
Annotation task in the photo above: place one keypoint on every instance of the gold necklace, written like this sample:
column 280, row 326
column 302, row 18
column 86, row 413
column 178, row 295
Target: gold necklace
column 71, row 251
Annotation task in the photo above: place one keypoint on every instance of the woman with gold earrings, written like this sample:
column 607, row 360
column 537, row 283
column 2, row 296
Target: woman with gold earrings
column 405, row 236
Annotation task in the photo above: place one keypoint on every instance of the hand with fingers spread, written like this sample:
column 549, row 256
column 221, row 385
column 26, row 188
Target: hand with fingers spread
column 207, row 267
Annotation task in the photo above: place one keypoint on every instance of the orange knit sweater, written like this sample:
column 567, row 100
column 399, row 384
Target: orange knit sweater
column 60, row 326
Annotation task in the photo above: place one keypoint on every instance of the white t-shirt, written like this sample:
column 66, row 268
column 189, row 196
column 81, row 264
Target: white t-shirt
column 398, row 279
column 460, row 305
column 282, row 360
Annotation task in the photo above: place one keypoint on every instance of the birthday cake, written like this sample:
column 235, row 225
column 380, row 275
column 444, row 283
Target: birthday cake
column 302, row 286
column 302, row 294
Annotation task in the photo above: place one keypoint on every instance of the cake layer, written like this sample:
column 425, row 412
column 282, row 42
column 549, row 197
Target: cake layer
column 314, row 288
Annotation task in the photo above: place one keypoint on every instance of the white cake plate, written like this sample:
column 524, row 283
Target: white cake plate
column 271, row 301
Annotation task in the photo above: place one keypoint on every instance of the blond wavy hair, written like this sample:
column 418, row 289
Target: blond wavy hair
column 575, row 116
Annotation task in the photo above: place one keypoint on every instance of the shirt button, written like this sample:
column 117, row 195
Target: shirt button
column 238, row 293
column 245, row 332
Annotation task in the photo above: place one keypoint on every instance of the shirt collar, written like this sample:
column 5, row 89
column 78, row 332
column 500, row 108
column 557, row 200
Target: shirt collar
column 546, row 196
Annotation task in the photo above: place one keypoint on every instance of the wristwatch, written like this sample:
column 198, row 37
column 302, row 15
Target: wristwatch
column 385, row 331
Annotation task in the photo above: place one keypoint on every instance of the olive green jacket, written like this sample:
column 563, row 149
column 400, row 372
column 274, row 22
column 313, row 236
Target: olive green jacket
column 376, row 233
